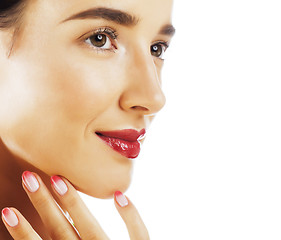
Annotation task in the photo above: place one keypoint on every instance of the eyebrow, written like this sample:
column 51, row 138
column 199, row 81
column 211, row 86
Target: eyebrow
column 113, row 15
column 168, row 29
column 117, row 16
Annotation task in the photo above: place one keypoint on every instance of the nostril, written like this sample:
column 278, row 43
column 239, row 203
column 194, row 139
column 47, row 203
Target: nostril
column 140, row 108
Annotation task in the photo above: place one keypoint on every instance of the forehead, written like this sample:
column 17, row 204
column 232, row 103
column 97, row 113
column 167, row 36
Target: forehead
column 146, row 10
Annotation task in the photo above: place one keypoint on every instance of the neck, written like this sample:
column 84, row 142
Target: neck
column 12, row 193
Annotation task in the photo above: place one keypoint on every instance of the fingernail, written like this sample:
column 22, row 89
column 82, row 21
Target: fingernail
column 10, row 217
column 30, row 181
column 59, row 185
column 120, row 199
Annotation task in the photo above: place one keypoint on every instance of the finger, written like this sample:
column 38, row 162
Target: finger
column 17, row 225
column 84, row 221
column 136, row 228
column 54, row 220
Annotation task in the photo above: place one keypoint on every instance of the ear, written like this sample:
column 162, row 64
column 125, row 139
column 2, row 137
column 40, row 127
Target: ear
column 6, row 43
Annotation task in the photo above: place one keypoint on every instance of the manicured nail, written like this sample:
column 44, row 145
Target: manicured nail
column 30, row 181
column 120, row 199
column 10, row 217
column 59, row 185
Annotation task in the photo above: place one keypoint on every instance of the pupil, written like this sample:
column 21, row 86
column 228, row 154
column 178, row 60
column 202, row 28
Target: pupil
column 99, row 37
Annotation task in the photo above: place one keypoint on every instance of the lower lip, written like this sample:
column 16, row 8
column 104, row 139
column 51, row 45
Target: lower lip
column 125, row 148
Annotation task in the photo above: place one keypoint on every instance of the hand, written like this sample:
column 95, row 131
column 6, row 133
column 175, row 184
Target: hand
column 57, row 225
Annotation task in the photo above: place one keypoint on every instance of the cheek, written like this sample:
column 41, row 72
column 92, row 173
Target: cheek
column 58, row 99
column 41, row 96
column 82, row 89
column 77, row 94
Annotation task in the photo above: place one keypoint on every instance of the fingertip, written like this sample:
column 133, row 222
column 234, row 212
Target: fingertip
column 121, row 199
column 10, row 217
column 31, row 181
column 17, row 225
column 131, row 216
column 59, row 185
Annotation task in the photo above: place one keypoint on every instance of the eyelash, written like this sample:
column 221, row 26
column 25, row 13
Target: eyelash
column 113, row 36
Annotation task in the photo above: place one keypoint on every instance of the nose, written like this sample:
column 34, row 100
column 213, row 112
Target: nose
column 143, row 93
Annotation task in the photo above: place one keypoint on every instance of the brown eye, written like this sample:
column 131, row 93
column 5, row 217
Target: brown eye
column 103, row 39
column 158, row 49
column 98, row 40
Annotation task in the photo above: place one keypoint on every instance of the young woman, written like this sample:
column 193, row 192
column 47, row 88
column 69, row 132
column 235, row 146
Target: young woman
column 80, row 83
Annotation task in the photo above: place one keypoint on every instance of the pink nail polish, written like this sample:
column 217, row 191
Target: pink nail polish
column 10, row 217
column 120, row 199
column 59, row 185
column 30, row 181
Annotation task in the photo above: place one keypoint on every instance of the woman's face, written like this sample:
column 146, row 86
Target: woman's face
column 72, row 75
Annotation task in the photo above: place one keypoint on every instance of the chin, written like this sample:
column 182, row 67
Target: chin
column 105, row 190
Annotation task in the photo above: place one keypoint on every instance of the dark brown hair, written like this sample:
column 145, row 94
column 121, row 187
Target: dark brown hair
column 10, row 13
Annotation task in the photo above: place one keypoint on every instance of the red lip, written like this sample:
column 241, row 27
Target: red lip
column 126, row 142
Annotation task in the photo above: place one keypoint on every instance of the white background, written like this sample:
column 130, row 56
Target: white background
column 210, row 167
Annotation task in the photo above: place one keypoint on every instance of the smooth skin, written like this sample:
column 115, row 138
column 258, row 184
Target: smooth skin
column 58, row 87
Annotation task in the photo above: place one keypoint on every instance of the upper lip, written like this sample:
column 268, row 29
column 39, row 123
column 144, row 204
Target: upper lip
column 129, row 135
